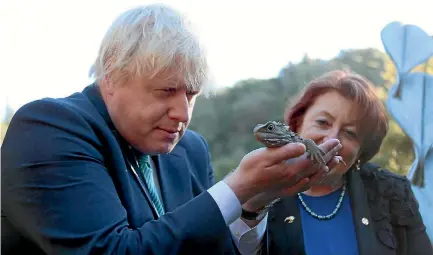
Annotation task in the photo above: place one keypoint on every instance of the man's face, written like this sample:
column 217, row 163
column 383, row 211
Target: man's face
column 151, row 114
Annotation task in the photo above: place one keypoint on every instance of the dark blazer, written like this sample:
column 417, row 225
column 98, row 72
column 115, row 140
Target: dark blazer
column 385, row 199
column 67, row 187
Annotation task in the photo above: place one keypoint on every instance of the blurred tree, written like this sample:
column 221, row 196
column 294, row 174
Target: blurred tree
column 396, row 152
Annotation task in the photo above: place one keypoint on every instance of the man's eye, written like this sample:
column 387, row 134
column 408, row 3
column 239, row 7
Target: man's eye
column 170, row 90
column 192, row 92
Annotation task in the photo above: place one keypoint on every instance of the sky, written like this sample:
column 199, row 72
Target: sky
column 48, row 46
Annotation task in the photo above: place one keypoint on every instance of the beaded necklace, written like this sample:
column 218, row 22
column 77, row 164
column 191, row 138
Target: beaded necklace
column 324, row 217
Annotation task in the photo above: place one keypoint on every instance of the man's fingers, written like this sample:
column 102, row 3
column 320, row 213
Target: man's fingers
column 300, row 186
column 333, row 162
column 320, row 174
column 288, row 151
column 328, row 145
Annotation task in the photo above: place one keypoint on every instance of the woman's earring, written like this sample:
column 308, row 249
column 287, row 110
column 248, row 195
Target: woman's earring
column 357, row 165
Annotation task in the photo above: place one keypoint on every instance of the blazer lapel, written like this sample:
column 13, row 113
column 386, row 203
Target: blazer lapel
column 365, row 234
column 287, row 235
column 94, row 95
column 175, row 178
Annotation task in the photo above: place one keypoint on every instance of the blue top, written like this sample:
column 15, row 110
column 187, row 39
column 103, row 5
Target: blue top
column 328, row 237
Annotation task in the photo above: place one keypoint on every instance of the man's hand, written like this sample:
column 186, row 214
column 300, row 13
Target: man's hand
column 269, row 173
column 334, row 177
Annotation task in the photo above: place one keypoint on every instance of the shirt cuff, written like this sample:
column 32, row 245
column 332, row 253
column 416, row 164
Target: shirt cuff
column 248, row 240
column 227, row 201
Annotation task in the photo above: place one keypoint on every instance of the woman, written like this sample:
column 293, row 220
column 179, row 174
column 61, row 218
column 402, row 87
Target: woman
column 358, row 208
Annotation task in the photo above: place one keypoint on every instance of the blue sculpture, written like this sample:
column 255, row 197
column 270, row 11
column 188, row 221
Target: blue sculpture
column 408, row 102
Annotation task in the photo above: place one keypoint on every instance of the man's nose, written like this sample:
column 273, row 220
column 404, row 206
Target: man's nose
column 180, row 109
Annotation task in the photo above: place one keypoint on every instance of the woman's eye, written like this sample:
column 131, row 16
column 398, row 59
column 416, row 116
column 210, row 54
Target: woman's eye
column 351, row 133
column 321, row 122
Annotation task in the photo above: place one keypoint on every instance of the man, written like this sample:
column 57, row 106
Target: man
column 114, row 170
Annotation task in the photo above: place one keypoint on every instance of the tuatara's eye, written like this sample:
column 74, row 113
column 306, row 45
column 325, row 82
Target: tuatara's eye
column 271, row 127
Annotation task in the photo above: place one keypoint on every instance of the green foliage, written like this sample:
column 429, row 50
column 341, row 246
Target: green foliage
column 396, row 151
column 227, row 120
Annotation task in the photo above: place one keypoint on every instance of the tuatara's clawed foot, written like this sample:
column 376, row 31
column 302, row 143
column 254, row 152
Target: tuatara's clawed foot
column 340, row 160
column 314, row 152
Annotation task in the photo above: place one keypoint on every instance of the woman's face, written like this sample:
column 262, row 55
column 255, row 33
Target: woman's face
column 333, row 116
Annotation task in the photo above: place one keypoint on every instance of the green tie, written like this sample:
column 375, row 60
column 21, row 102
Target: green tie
column 146, row 170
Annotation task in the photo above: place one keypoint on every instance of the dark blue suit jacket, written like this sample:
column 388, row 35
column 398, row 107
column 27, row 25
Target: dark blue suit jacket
column 67, row 187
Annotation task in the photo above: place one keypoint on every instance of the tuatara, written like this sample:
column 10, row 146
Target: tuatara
column 276, row 134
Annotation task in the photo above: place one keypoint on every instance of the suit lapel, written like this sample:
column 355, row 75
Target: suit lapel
column 294, row 229
column 287, row 236
column 175, row 178
column 93, row 94
column 365, row 234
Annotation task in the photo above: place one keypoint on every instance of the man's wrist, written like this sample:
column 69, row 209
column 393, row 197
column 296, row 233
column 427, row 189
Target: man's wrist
column 258, row 202
column 240, row 189
column 253, row 207
column 253, row 215
column 256, row 213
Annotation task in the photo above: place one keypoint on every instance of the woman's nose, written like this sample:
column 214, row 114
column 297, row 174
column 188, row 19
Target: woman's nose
column 332, row 133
